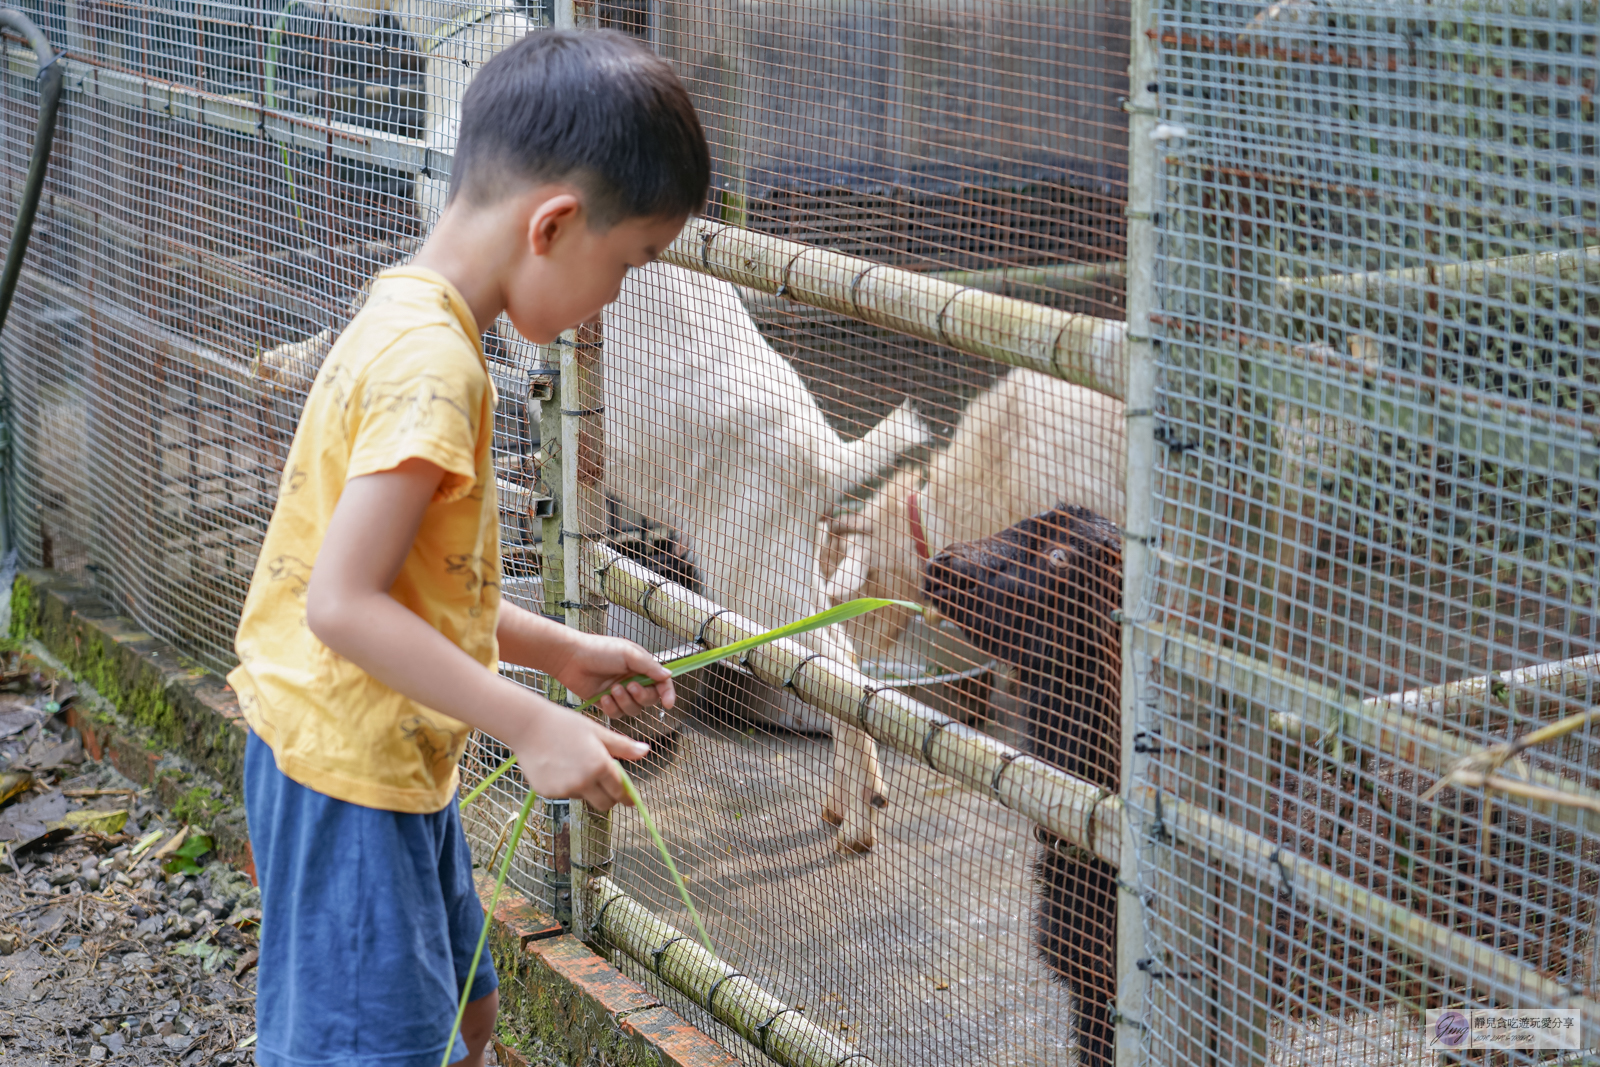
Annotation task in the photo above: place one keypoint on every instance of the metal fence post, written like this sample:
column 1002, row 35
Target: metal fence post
column 1133, row 980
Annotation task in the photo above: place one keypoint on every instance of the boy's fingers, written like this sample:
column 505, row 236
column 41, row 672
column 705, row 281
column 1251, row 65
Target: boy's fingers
column 641, row 662
column 622, row 748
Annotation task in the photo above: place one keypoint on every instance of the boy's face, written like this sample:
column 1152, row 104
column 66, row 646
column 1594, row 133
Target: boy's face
column 573, row 271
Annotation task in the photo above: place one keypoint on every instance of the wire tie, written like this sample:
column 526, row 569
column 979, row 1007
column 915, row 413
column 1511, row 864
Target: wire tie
column 1088, row 822
column 581, row 412
column 656, row 955
column 788, row 683
column 783, row 284
column 994, row 783
column 603, row 865
column 867, row 693
column 711, row 996
column 853, row 1056
column 602, row 571
column 700, row 635
column 927, row 742
column 781, row 289
column 574, row 605
column 765, row 1028
column 706, row 237
column 46, row 66
column 600, row 920
column 855, row 283
column 644, row 601
column 944, row 338
column 1283, row 873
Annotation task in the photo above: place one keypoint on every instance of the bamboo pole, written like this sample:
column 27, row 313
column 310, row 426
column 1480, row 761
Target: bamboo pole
column 779, row 1030
column 1314, row 714
column 1463, row 958
column 1082, row 814
column 1078, row 348
column 1408, row 289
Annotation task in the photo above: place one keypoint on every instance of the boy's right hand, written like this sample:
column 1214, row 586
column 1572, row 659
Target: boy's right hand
column 566, row 755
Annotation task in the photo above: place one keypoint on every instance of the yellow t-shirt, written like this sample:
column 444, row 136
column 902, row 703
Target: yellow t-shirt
column 405, row 380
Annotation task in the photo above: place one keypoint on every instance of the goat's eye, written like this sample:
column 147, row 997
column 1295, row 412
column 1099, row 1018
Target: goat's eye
column 1058, row 557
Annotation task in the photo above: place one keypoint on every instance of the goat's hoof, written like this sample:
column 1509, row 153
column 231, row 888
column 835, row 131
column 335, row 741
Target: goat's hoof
column 856, row 846
column 832, row 818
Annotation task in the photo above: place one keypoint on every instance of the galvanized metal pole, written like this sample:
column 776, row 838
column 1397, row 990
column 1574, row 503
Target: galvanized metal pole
column 1133, row 981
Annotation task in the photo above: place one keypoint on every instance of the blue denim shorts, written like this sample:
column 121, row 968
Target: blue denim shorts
column 369, row 922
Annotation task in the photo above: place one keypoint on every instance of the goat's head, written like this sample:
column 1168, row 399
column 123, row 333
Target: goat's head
column 870, row 553
column 1039, row 594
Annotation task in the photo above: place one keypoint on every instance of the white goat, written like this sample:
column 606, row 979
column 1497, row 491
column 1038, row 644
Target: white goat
column 1029, row 443
column 711, row 431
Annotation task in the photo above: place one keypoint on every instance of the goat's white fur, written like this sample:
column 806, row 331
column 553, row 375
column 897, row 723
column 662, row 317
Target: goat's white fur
column 711, row 431
column 1024, row 446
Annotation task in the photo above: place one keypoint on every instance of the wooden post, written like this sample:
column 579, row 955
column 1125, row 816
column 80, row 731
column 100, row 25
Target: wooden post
column 581, row 518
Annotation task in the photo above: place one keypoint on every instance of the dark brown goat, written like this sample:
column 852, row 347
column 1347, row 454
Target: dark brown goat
column 1041, row 595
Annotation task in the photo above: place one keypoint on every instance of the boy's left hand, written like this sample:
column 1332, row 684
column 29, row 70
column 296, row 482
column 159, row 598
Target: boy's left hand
column 601, row 663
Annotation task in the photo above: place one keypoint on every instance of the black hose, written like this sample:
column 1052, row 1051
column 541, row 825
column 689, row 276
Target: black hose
column 49, row 100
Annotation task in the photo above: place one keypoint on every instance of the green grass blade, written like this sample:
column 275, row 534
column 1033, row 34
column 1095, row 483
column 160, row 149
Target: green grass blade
column 686, row 664
column 678, row 668
column 483, row 935
column 666, row 857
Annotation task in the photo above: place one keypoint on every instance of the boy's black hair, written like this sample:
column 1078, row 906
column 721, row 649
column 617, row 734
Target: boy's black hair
column 591, row 107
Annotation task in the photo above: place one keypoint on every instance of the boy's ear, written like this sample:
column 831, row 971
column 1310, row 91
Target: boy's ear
column 553, row 215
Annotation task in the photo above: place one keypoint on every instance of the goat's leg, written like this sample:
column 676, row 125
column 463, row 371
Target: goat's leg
column 857, row 791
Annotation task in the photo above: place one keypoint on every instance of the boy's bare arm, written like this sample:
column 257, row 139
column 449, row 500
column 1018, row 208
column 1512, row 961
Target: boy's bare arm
column 349, row 609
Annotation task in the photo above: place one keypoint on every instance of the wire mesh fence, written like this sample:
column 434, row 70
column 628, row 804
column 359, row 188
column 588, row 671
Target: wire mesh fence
column 1375, row 302
column 891, row 361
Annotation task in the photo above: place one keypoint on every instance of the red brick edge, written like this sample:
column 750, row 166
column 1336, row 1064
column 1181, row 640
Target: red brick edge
column 582, row 1004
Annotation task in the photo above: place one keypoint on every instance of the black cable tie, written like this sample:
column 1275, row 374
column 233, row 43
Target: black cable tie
column 644, row 602
column 765, row 1028
column 562, row 619
column 711, row 996
column 867, row 693
column 994, row 783
column 927, row 742
column 603, row 865
column 788, row 683
column 581, row 412
column 655, row 956
column 1283, row 873
column 601, row 571
column 700, row 635
column 853, row 1056
column 600, row 920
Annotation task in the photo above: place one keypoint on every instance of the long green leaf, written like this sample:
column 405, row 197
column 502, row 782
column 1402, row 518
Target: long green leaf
column 678, row 668
column 684, row 665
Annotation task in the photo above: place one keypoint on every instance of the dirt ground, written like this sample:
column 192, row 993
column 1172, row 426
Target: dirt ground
column 105, row 956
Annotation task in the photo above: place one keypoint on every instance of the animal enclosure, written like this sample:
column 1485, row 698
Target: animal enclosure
column 1224, row 375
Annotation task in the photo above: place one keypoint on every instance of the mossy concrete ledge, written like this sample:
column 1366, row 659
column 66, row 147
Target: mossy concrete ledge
column 165, row 704
column 558, row 996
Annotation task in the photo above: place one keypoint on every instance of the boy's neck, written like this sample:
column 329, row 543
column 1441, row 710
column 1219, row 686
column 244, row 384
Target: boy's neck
column 477, row 250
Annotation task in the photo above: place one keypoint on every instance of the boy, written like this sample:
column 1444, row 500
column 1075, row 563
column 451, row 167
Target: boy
column 373, row 629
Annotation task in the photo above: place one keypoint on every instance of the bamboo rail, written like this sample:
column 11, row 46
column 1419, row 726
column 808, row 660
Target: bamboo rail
column 1321, row 715
column 1409, row 288
column 1078, row 348
column 778, row 1029
column 1081, row 814
column 1414, row 935
column 1084, row 815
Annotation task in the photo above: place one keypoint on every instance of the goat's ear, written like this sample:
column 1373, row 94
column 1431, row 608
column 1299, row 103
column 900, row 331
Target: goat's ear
column 850, row 575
